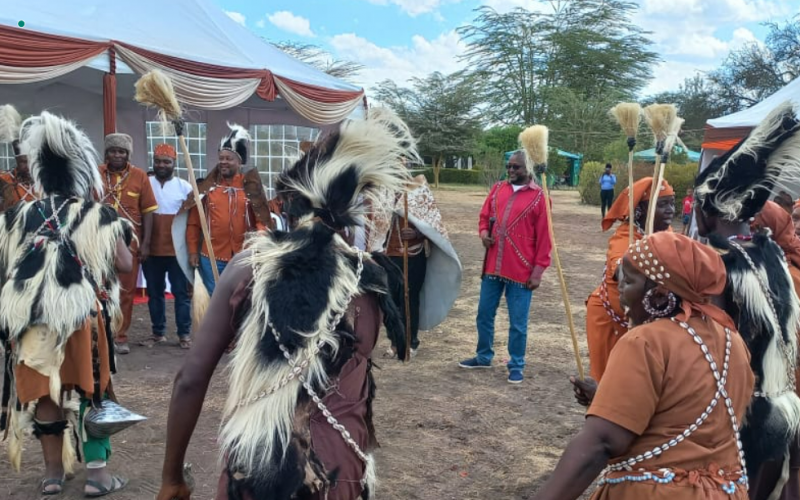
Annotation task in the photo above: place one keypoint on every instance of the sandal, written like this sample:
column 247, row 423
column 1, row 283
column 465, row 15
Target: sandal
column 155, row 339
column 53, row 481
column 117, row 483
column 185, row 343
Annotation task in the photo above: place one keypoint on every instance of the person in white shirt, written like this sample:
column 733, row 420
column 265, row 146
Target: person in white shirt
column 170, row 193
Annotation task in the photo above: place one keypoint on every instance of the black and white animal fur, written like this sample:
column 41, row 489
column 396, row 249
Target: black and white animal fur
column 301, row 280
column 45, row 293
column 772, row 422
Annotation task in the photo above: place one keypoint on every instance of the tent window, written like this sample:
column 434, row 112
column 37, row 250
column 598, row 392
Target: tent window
column 275, row 147
column 7, row 156
column 195, row 135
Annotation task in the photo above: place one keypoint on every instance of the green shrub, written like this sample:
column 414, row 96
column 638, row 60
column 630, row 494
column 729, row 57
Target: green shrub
column 680, row 177
column 455, row 176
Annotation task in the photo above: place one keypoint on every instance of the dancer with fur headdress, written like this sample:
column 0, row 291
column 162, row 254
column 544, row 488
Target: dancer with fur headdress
column 15, row 185
column 759, row 294
column 59, row 292
column 234, row 203
column 304, row 309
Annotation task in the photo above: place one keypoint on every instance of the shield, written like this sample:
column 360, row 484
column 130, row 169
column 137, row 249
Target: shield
column 179, row 242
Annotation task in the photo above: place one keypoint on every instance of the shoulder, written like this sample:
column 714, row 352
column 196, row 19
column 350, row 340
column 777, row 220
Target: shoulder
column 140, row 174
column 6, row 176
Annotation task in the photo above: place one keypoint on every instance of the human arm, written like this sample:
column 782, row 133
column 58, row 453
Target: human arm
column 542, row 247
column 213, row 336
column 148, row 206
column 123, row 260
column 193, row 237
column 147, row 230
column 484, row 223
column 585, row 457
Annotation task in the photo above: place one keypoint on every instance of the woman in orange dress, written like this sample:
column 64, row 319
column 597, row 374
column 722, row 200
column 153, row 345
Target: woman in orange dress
column 664, row 423
column 605, row 321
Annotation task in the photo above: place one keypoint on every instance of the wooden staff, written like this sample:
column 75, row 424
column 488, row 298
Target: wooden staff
column 405, row 279
column 660, row 118
column 155, row 89
column 534, row 140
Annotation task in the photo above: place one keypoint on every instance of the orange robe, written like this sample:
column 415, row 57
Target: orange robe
column 12, row 192
column 657, row 384
column 129, row 192
column 605, row 319
column 229, row 217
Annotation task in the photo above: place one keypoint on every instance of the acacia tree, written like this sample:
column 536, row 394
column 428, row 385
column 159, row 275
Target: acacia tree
column 752, row 73
column 317, row 57
column 441, row 110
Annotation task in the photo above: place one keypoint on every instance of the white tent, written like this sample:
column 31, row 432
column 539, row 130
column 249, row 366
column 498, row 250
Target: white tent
column 81, row 59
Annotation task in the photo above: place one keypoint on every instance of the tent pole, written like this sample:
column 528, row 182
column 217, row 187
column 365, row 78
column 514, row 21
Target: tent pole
column 110, row 95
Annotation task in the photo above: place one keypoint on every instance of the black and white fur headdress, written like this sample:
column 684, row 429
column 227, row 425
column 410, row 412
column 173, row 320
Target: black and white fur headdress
column 303, row 282
column 62, row 158
column 736, row 185
column 237, row 141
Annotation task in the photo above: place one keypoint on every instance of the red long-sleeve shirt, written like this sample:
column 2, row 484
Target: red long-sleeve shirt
column 522, row 242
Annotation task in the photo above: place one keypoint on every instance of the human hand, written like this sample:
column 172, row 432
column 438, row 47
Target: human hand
column 487, row 240
column 533, row 282
column 584, row 390
column 175, row 491
column 408, row 234
column 144, row 252
column 194, row 260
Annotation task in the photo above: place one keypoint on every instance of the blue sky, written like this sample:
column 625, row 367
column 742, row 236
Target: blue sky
column 401, row 39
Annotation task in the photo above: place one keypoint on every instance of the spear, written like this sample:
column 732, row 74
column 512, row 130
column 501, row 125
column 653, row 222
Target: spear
column 629, row 115
column 534, row 141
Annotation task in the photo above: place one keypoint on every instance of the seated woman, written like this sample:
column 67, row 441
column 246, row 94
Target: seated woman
column 664, row 423
column 604, row 317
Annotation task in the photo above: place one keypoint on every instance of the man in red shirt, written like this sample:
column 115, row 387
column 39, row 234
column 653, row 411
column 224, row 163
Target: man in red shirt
column 517, row 253
column 688, row 207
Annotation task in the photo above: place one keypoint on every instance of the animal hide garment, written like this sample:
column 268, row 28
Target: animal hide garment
column 773, row 421
column 50, row 271
column 301, row 281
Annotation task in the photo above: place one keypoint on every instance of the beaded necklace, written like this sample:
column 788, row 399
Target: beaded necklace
column 667, row 475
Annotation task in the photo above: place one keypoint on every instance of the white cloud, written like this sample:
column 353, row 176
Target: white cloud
column 401, row 63
column 670, row 74
column 261, row 23
column 415, row 7
column 287, row 21
column 236, row 16
column 504, row 6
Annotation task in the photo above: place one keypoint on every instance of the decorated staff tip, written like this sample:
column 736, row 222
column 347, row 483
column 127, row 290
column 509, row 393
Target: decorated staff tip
column 534, row 141
column 660, row 117
column 10, row 122
column 629, row 116
column 672, row 138
column 154, row 89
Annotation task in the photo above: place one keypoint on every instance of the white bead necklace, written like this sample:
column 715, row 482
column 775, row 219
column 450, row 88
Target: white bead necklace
column 721, row 381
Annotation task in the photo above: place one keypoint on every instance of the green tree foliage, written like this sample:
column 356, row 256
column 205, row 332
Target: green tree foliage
column 752, row 73
column 588, row 47
column 441, row 110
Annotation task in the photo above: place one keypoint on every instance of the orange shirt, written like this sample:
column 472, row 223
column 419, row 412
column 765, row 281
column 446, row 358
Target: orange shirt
column 656, row 385
column 229, row 217
column 130, row 193
column 15, row 192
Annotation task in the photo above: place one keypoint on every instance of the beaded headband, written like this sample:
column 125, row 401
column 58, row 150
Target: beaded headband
column 648, row 265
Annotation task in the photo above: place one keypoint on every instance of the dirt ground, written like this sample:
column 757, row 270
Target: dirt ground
column 446, row 433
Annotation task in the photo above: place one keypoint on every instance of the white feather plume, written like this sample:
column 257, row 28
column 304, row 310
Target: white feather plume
column 10, row 122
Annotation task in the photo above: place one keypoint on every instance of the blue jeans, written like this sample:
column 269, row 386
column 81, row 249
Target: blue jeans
column 208, row 275
column 518, row 299
column 156, row 269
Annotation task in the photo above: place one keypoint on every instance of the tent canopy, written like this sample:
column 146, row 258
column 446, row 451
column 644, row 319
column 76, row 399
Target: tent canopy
column 723, row 133
column 214, row 62
column 649, row 155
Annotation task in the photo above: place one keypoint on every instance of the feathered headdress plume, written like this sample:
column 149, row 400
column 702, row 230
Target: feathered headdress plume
column 534, row 141
column 154, row 89
column 736, row 185
column 628, row 115
column 62, row 158
column 10, row 122
column 672, row 137
column 363, row 157
column 237, row 141
column 659, row 118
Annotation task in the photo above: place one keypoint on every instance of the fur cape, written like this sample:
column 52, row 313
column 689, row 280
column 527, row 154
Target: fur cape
column 296, row 338
column 771, row 422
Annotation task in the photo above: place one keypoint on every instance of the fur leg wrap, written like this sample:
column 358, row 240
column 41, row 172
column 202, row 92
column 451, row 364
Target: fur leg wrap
column 370, row 479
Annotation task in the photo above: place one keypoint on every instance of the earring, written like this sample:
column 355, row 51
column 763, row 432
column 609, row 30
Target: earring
column 652, row 310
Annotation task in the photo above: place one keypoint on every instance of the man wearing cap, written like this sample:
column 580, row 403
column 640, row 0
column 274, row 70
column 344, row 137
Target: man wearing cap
column 229, row 208
column 170, row 191
column 127, row 189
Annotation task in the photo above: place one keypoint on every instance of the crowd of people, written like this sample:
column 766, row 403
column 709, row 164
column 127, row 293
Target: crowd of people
column 692, row 345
